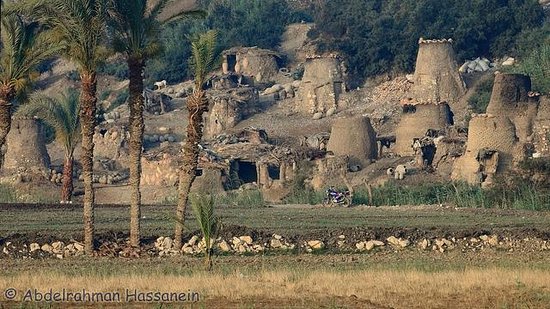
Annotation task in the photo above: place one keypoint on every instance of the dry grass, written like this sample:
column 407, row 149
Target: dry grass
column 479, row 288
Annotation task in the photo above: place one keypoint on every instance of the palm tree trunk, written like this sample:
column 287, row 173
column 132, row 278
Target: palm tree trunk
column 6, row 95
column 87, row 121
column 5, row 125
column 135, row 66
column 67, row 186
column 197, row 105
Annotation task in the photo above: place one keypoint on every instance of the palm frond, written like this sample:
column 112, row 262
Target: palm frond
column 61, row 113
column 203, row 56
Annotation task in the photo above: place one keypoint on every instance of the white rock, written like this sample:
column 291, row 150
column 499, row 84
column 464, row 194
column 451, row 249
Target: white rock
column 246, row 239
column 331, row 111
column 279, row 237
column 509, row 61
column 317, row 116
column 34, row 247
column 316, row 244
column 193, row 240
column 224, row 246
column 369, row 245
column 275, row 243
column 46, row 248
column 167, row 243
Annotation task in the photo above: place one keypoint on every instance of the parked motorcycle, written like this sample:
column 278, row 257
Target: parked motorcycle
column 334, row 197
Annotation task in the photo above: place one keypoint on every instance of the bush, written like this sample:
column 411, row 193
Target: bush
column 479, row 101
column 537, row 66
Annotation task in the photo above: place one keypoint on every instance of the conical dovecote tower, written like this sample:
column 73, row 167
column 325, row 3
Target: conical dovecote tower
column 25, row 147
column 354, row 137
column 436, row 78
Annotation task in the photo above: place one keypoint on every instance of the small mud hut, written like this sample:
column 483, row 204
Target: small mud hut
column 322, row 84
column 436, row 77
column 355, row 138
column 25, row 148
column 261, row 65
column 416, row 121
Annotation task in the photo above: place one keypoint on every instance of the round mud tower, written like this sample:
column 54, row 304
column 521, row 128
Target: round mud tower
column 487, row 132
column 355, row 138
column 508, row 91
column 416, row 123
column 436, row 77
column 26, row 148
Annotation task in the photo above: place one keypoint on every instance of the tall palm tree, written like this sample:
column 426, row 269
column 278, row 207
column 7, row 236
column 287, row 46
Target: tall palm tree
column 203, row 58
column 61, row 114
column 137, row 32
column 81, row 24
column 24, row 46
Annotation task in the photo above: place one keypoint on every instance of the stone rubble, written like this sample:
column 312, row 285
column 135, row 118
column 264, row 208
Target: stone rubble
column 246, row 244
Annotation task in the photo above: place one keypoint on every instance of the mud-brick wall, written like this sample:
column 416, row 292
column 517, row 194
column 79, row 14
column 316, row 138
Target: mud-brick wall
column 163, row 172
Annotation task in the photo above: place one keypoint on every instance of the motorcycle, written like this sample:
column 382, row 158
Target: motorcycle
column 335, row 197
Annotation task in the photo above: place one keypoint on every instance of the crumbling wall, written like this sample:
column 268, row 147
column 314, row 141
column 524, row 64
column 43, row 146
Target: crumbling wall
column 511, row 98
column 416, row 121
column 229, row 108
column 321, row 85
column 25, row 147
column 260, row 64
column 486, row 134
column 210, row 181
column 541, row 129
column 329, row 172
column 111, row 143
column 355, row 138
column 162, row 172
column 436, row 77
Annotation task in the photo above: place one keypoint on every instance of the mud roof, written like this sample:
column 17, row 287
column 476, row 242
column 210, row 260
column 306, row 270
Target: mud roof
column 252, row 51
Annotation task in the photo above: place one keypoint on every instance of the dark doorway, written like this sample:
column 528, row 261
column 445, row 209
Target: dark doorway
column 231, row 62
column 274, row 172
column 247, row 172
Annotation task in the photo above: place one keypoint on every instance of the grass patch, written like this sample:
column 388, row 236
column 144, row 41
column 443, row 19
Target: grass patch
column 523, row 196
column 242, row 199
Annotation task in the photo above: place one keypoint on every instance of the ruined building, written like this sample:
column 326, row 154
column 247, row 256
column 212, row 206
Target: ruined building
column 436, row 77
column 260, row 65
column 229, row 107
column 512, row 129
column 322, row 84
column 25, row 148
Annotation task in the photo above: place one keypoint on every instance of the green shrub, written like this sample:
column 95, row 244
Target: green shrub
column 479, row 101
column 537, row 66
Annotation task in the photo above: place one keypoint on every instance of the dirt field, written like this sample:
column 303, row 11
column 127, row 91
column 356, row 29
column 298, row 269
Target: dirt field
column 388, row 277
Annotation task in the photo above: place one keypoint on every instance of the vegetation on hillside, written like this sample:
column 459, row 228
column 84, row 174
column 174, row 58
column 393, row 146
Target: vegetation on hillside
column 381, row 36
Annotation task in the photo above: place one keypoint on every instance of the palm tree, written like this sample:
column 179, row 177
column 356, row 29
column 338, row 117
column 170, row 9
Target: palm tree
column 208, row 222
column 203, row 58
column 137, row 32
column 24, row 47
column 81, row 25
column 61, row 114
